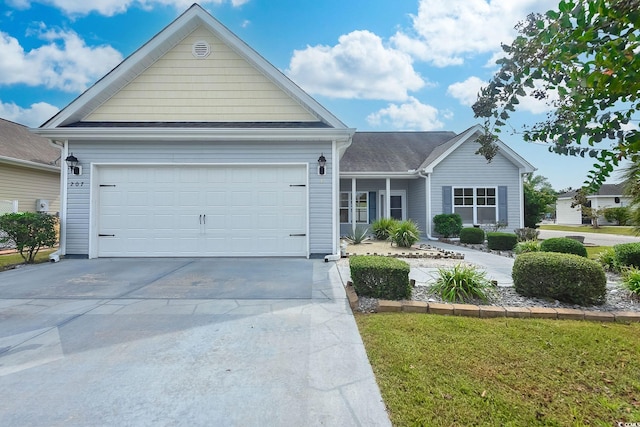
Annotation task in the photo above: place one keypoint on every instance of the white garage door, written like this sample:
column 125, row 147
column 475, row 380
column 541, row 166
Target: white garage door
column 222, row 210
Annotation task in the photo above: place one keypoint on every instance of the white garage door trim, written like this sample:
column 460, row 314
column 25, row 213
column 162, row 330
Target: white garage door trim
column 208, row 242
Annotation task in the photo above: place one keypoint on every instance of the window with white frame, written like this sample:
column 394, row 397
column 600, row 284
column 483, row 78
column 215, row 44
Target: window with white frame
column 476, row 205
column 362, row 207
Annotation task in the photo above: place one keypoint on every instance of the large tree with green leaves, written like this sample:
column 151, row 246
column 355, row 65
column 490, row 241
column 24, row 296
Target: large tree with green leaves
column 584, row 59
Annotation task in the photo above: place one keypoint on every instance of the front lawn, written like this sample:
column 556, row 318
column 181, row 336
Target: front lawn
column 9, row 260
column 457, row 371
column 605, row 229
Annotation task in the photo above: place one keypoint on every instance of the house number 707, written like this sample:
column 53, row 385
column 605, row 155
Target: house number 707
column 76, row 184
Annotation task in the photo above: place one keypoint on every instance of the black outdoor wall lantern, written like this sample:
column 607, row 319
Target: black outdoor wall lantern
column 322, row 162
column 72, row 162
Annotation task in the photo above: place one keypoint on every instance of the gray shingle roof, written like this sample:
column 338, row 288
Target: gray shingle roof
column 605, row 190
column 391, row 151
column 17, row 142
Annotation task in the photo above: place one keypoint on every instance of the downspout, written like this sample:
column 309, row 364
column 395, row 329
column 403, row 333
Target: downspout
column 427, row 199
column 64, row 152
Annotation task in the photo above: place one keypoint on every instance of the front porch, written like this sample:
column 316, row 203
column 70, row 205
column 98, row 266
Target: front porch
column 363, row 200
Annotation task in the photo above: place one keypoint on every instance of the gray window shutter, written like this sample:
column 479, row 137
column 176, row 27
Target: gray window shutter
column 502, row 205
column 447, row 207
column 372, row 207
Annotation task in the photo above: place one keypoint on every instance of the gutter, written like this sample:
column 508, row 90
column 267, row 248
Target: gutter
column 427, row 197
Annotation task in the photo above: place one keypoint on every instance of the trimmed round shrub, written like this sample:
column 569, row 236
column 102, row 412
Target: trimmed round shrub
column 563, row 245
column 627, row 254
column 380, row 277
column 447, row 225
column 497, row 241
column 564, row 277
column 472, row 235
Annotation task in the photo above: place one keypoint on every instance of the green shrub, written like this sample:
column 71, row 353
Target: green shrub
column 29, row 232
column 526, row 233
column 563, row 245
column 405, row 234
column 607, row 259
column 631, row 280
column 359, row 235
column 380, row 277
column 461, row 284
column 501, row 241
column 564, row 277
column 527, row 246
column 383, row 227
column 628, row 254
column 447, row 225
column 620, row 215
column 472, row 235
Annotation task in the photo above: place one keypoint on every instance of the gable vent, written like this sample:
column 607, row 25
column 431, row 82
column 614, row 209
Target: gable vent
column 201, row 49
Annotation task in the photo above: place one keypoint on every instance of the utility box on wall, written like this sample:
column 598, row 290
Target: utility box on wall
column 42, row 205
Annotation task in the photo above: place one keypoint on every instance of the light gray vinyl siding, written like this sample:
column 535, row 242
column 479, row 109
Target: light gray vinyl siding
column 320, row 188
column 416, row 203
column 464, row 168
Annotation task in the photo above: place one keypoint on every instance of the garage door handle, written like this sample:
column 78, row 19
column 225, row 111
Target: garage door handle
column 200, row 220
column 298, row 235
column 204, row 219
column 106, row 235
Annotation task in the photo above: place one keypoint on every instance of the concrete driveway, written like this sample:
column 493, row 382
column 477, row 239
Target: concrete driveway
column 224, row 342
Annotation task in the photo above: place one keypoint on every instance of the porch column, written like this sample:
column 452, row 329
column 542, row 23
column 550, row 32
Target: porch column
column 387, row 197
column 353, row 205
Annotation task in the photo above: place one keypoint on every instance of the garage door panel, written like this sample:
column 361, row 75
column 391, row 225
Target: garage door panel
column 160, row 210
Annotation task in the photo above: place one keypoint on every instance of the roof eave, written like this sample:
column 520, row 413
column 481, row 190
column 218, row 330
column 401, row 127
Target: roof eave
column 193, row 134
column 379, row 175
column 29, row 164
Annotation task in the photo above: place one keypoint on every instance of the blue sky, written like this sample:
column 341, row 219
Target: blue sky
column 378, row 65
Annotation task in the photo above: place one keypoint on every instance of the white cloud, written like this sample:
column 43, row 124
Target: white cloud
column 114, row 7
column 445, row 33
column 467, row 91
column 64, row 63
column 412, row 115
column 33, row 116
column 359, row 66
column 533, row 105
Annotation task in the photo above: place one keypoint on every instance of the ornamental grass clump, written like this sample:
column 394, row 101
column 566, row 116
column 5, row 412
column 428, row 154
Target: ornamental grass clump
column 359, row 235
column 631, row 281
column 462, row 283
column 526, row 246
column 405, row 234
column 383, row 227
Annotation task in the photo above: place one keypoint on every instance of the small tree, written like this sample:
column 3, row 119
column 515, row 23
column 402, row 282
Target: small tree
column 619, row 215
column 539, row 199
column 29, row 232
column 580, row 199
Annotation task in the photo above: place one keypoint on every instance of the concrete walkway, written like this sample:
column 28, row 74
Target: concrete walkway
column 596, row 239
column 143, row 342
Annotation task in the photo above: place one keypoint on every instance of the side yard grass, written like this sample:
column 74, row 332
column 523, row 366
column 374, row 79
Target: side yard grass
column 457, row 371
column 9, row 260
column 604, row 229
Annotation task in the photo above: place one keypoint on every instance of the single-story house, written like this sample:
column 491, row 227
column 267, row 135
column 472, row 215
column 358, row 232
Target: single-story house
column 417, row 175
column 195, row 145
column 29, row 171
column 608, row 196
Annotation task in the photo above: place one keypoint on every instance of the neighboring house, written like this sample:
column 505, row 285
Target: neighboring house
column 195, row 145
column 29, row 171
column 417, row 175
column 608, row 196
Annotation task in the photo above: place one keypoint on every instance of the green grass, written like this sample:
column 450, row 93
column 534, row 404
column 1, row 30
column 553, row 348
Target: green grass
column 458, row 371
column 605, row 229
column 593, row 251
column 7, row 261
